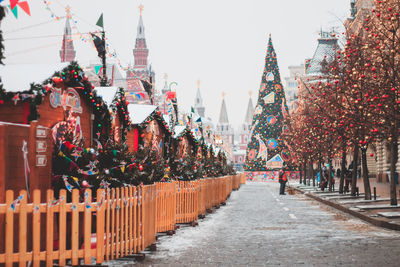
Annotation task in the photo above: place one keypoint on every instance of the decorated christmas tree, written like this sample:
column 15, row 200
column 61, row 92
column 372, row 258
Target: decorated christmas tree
column 265, row 150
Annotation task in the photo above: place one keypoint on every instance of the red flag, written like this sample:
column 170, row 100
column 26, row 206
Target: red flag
column 25, row 7
column 171, row 95
column 13, row 3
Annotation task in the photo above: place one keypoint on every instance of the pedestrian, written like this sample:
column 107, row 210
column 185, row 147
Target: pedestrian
column 338, row 173
column 282, row 181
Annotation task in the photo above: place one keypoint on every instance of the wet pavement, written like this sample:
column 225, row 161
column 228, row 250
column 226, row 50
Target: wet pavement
column 259, row 227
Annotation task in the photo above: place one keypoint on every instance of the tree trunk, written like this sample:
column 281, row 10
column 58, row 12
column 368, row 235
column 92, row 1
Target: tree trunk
column 301, row 175
column 354, row 173
column 312, row 173
column 330, row 178
column 367, row 187
column 342, row 173
column 305, row 173
column 393, row 161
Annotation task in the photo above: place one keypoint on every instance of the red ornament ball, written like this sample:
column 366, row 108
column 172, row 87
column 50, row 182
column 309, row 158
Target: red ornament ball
column 371, row 155
column 140, row 168
column 85, row 184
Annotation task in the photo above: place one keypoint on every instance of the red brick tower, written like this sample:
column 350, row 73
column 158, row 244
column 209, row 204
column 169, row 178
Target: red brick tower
column 67, row 52
column 141, row 75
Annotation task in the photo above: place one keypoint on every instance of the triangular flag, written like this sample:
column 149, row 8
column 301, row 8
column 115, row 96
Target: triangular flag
column 13, row 3
column 14, row 11
column 97, row 69
column 25, row 7
column 100, row 21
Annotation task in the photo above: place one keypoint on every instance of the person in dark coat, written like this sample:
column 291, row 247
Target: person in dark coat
column 282, row 180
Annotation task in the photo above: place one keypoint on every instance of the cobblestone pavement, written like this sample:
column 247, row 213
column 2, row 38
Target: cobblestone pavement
column 259, row 227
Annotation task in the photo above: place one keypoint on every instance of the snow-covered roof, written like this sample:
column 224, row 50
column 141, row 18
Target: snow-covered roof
column 139, row 113
column 166, row 118
column 179, row 130
column 107, row 93
column 18, row 77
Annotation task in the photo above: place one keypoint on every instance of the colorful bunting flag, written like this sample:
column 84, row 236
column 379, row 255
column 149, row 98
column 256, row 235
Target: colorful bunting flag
column 25, row 7
column 13, row 3
column 14, row 11
column 98, row 68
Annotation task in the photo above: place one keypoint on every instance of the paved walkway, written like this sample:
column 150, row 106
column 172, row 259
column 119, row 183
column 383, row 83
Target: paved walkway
column 258, row 227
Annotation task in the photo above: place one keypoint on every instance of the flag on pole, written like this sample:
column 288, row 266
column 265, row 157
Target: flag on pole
column 100, row 21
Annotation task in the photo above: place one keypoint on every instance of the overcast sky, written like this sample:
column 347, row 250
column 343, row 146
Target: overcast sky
column 221, row 42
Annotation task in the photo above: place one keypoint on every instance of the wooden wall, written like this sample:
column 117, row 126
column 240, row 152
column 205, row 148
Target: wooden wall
column 10, row 112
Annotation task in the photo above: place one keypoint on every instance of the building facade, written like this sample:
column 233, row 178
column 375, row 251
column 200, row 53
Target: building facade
column 292, row 86
column 243, row 135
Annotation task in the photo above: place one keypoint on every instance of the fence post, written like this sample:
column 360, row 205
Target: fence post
column 75, row 227
column 36, row 228
column 49, row 228
column 62, row 226
column 22, row 228
column 101, row 200
column 9, row 246
column 87, row 221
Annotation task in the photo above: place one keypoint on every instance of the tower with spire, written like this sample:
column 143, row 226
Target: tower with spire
column 140, row 78
column 243, row 135
column 198, row 102
column 224, row 131
column 246, row 126
column 67, row 52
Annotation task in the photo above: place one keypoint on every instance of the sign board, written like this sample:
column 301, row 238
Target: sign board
column 66, row 99
column 41, row 146
column 41, row 160
column 41, row 132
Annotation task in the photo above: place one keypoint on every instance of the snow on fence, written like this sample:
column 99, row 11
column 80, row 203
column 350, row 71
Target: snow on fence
column 121, row 222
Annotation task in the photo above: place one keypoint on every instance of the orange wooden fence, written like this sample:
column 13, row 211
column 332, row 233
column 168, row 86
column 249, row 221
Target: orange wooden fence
column 120, row 222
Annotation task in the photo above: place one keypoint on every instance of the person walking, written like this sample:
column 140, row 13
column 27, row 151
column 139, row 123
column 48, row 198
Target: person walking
column 282, row 181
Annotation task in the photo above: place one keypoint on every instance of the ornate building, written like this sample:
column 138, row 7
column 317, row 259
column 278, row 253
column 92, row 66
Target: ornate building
column 239, row 153
column 67, row 52
column 140, row 78
column 325, row 53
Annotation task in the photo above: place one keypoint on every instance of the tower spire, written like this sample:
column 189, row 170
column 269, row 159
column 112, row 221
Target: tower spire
column 198, row 102
column 250, row 111
column 140, row 52
column 67, row 52
column 223, row 115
